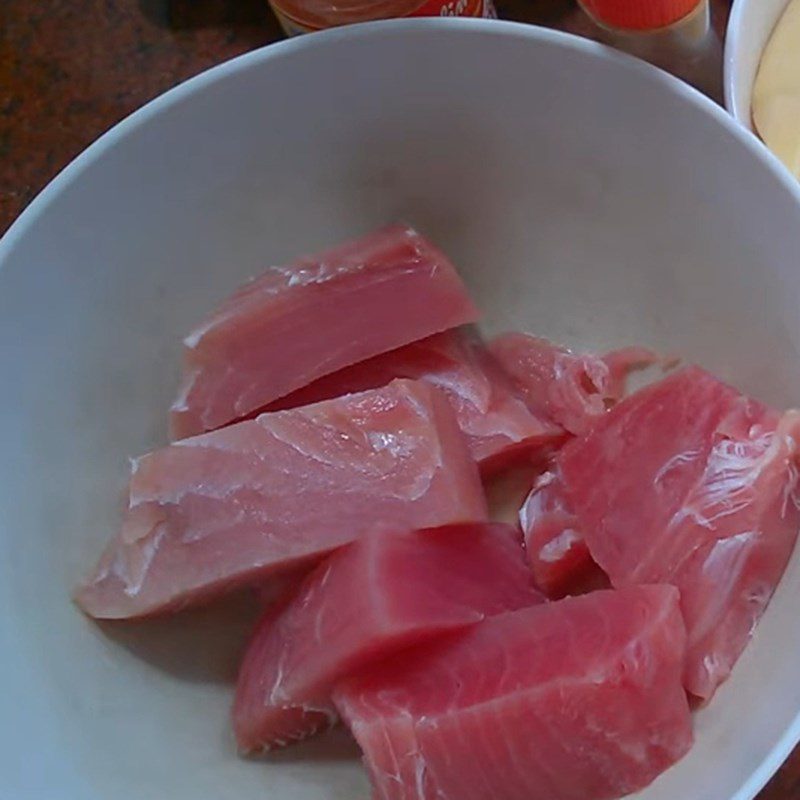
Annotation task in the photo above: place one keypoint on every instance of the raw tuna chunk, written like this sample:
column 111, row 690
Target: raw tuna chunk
column 556, row 549
column 573, row 389
column 296, row 323
column 216, row 511
column 579, row 699
column 380, row 594
column 690, row 483
column 498, row 425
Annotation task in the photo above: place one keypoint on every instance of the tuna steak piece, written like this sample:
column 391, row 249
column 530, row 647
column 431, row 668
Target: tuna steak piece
column 580, row 699
column 498, row 424
column 573, row 389
column 384, row 592
column 217, row 511
column 690, row 483
column 557, row 552
column 296, row 323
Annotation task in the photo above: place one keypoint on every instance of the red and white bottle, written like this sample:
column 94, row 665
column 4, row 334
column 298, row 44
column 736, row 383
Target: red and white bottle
column 305, row 16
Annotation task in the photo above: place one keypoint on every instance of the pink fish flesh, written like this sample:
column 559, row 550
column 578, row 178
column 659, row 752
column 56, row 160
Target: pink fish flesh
column 557, row 552
column 689, row 482
column 573, row 389
column 383, row 593
column 232, row 507
column 499, row 426
column 296, row 323
column 580, row 699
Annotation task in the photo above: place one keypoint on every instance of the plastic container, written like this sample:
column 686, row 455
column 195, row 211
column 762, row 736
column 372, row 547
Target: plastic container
column 675, row 35
column 306, row 16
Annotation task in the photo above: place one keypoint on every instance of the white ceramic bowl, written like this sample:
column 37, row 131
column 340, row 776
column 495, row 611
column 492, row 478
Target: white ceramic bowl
column 585, row 195
column 749, row 27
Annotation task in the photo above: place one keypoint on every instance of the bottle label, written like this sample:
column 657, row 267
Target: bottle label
column 430, row 8
column 455, row 8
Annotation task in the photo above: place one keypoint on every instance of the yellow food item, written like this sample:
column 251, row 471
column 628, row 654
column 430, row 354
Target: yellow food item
column 776, row 92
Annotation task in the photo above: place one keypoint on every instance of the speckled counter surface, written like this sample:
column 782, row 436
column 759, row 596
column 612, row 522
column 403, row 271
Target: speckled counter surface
column 70, row 69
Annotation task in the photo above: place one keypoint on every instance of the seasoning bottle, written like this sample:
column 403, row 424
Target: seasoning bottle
column 305, row 16
column 675, row 35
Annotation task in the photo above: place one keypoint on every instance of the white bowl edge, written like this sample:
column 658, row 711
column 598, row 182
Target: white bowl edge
column 750, row 25
column 72, row 172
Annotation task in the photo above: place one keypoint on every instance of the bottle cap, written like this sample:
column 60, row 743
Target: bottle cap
column 639, row 15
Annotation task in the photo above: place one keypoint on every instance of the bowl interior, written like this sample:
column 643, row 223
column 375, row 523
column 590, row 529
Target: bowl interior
column 749, row 28
column 585, row 196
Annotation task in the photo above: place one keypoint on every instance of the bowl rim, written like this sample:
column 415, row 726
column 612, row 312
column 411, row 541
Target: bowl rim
column 732, row 59
column 730, row 63
column 288, row 47
column 438, row 26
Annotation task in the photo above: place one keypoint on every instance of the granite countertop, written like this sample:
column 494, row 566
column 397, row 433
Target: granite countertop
column 70, row 69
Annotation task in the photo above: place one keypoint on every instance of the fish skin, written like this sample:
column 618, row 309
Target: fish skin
column 267, row 496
